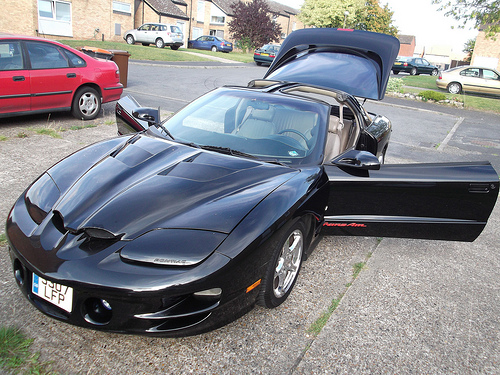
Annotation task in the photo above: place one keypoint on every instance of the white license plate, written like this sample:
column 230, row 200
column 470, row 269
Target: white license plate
column 57, row 294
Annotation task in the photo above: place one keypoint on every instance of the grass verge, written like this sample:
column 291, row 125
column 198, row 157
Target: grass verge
column 16, row 356
column 139, row 52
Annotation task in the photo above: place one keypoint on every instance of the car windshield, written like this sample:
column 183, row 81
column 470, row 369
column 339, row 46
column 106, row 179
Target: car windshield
column 404, row 58
column 266, row 126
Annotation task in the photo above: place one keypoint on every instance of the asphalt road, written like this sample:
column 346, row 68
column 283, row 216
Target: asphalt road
column 417, row 307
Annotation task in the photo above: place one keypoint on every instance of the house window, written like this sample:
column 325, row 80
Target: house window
column 118, row 29
column 200, row 14
column 218, row 20
column 54, row 17
column 120, row 7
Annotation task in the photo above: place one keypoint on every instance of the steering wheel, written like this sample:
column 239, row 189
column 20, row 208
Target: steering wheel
column 295, row 132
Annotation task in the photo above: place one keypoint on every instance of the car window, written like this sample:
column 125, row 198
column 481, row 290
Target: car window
column 154, row 28
column 210, row 39
column 46, row 56
column 175, row 29
column 425, row 62
column 470, row 72
column 145, row 27
column 11, row 57
column 261, row 124
column 76, row 60
column 490, row 74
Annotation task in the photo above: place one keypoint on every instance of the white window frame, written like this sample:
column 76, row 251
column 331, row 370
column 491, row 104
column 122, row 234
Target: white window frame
column 217, row 16
column 200, row 12
column 53, row 25
column 121, row 7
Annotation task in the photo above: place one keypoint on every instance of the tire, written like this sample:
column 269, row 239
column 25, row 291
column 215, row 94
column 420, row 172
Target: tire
column 145, row 44
column 160, row 43
column 213, row 49
column 396, row 72
column 86, row 103
column 130, row 39
column 258, row 63
column 284, row 267
column 413, row 71
column 454, row 88
column 175, row 48
column 434, row 72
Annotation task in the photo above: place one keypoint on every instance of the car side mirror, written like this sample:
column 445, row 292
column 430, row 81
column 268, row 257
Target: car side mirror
column 357, row 159
column 150, row 115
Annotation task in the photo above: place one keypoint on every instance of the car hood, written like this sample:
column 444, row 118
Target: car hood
column 354, row 61
column 148, row 183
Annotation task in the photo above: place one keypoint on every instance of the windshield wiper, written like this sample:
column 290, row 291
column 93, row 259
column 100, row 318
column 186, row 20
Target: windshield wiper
column 165, row 130
column 227, row 151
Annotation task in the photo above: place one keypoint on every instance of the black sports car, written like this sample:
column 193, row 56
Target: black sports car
column 183, row 225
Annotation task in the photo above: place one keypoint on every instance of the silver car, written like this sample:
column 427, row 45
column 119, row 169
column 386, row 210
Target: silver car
column 470, row 79
column 159, row 34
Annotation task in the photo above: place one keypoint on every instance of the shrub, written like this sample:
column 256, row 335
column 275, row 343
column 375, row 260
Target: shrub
column 432, row 95
column 395, row 85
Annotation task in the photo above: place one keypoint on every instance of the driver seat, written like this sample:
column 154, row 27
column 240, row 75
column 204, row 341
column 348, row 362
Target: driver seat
column 333, row 139
column 257, row 123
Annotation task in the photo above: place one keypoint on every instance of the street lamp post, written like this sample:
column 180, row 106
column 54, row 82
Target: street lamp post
column 346, row 13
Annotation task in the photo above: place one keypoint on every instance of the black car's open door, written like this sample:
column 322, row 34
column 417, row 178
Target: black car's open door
column 445, row 201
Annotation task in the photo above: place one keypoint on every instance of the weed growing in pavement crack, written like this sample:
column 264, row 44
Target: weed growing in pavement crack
column 15, row 354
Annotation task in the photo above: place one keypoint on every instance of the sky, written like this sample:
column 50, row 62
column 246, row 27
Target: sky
column 421, row 19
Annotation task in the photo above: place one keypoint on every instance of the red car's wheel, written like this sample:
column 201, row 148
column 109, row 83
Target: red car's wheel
column 86, row 103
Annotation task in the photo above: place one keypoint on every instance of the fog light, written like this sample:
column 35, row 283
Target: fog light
column 19, row 272
column 97, row 311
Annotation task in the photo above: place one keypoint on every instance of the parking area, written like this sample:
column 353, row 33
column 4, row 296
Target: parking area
column 416, row 307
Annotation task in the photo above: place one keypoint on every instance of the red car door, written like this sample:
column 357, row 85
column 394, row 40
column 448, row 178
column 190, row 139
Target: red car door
column 438, row 201
column 14, row 78
column 53, row 81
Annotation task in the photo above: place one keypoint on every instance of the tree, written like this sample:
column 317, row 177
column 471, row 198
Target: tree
column 469, row 49
column 330, row 13
column 375, row 18
column 484, row 13
column 253, row 24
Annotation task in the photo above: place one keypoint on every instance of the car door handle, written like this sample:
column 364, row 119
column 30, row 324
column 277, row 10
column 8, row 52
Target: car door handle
column 71, row 75
column 18, row 78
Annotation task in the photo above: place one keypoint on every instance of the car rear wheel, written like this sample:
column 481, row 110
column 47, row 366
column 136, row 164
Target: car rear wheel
column 258, row 63
column 284, row 267
column 86, row 103
column 214, row 49
column 434, row 72
column 395, row 71
column 175, row 48
column 160, row 43
column 413, row 71
column 454, row 88
column 130, row 39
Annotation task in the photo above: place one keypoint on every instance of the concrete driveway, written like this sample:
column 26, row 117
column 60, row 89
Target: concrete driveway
column 416, row 307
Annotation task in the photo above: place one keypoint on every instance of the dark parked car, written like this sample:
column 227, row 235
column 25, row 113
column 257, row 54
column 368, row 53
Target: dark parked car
column 414, row 66
column 183, row 226
column 265, row 54
column 211, row 43
column 39, row 75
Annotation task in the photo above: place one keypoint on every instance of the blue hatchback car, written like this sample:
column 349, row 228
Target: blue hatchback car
column 212, row 43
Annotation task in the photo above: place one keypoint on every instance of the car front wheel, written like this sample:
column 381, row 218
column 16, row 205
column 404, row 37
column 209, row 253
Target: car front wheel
column 86, row 104
column 434, row 72
column 454, row 88
column 160, row 43
column 413, row 71
column 284, row 267
column 214, row 49
column 130, row 39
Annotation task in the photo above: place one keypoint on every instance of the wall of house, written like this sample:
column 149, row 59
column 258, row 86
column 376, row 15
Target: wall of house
column 486, row 52
column 19, row 17
column 406, row 49
column 87, row 17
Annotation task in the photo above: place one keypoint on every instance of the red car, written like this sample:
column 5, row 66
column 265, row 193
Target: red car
column 40, row 75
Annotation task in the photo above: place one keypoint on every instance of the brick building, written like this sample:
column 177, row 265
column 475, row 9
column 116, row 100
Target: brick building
column 407, row 45
column 486, row 51
column 110, row 19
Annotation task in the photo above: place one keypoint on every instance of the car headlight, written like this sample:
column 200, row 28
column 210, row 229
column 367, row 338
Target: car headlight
column 41, row 197
column 172, row 247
